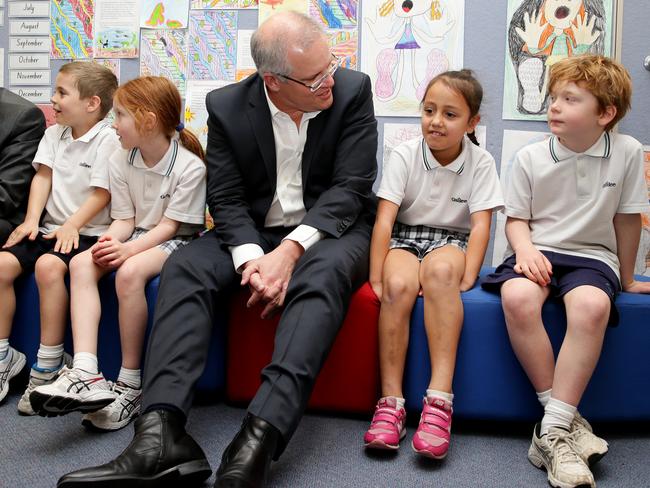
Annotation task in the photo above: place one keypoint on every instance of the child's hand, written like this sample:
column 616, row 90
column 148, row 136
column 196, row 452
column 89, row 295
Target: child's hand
column 67, row 238
column 637, row 287
column 108, row 252
column 533, row 265
column 467, row 283
column 26, row 229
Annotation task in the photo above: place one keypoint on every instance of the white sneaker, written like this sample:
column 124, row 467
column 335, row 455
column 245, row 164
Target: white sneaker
column 118, row 414
column 10, row 366
column 74, row 390
column 589, row 446
column 39, row 377
column 555, row 451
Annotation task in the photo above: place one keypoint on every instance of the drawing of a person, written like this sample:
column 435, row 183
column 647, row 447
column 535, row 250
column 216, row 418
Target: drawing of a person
column 413, row 23
column 544, row 31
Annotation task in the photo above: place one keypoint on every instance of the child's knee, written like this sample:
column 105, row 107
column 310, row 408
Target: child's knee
column 591, row 311
column 439, row 274
column 49, row 270
column 9, row 268
column 81, row 265
column 518, row 299
column 128, row 279
column 399, row 288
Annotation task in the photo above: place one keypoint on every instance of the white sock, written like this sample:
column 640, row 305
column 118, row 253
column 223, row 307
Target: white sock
column 557, row 414
column 544, row 397
column 86, row 361
column 130, row 377
column 49, row 357
column 4, row 348
column 441, row 394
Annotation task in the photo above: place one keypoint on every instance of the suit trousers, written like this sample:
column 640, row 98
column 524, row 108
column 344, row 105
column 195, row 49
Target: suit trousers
column 196, row 283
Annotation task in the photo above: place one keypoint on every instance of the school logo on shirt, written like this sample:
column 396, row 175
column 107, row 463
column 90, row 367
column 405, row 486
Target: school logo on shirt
column 85, row 165
column 609, row 184
column 165, row 195
column 458, row 200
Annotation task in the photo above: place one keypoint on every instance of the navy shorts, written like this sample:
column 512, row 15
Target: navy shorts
column 569, row 272
column 27, row 252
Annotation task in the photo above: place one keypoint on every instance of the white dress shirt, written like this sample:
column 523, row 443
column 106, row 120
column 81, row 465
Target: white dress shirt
column 287, row 208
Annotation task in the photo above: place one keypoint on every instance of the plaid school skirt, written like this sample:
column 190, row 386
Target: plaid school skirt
column 168, row 246
column 421, row 239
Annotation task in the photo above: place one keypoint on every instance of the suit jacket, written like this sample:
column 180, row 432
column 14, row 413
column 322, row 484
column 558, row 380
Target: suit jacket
column 338, row 163
column 21, row 129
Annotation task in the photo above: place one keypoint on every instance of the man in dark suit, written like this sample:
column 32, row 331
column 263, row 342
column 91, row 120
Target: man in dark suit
column 291, row 163
column 21, row 129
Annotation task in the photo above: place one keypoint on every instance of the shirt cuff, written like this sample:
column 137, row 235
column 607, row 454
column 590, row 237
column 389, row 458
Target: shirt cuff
column 305, row 235
column 243, row 253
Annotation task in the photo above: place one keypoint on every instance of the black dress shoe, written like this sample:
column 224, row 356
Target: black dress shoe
column 245, row 462
column 161, row 453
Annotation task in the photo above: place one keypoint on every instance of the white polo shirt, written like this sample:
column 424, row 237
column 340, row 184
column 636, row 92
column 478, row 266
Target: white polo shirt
column 570, row 199
column 173, row 188
column 287, row 207
column 440, row 196
column 78, row 167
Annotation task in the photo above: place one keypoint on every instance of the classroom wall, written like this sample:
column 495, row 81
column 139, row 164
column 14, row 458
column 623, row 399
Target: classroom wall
column 485, row 27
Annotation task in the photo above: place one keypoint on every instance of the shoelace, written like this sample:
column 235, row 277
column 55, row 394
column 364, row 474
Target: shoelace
column 566, row 447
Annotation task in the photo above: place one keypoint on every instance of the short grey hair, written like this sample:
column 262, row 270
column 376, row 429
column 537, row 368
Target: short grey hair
column 270, row 46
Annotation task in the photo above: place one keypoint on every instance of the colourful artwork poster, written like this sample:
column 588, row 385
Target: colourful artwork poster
column 334, row 14
column 539, row 33
column 643, row 256
column 345, row 45
column 71, row 29
column 267, row 8
column 404, row 45
column 196, row 114
column 163, row 52
column 221, row 4
column 213, row 44
column 116, row 29
column 164, row 14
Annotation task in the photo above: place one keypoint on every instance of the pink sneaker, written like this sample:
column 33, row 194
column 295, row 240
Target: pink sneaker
column 387, row 426
column 432, row 437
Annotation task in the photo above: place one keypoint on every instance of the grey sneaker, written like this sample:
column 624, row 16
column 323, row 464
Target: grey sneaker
column 118, row 414
column 556, row 452
column 39, row 377
column 10, row 366
column 74, row 390
column 589, row 446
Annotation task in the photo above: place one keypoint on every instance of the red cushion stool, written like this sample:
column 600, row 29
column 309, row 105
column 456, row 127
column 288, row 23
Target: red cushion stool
column 349, row 380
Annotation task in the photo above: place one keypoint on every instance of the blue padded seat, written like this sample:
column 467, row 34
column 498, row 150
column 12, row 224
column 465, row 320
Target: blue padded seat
column 25, row 334
column 489, row 383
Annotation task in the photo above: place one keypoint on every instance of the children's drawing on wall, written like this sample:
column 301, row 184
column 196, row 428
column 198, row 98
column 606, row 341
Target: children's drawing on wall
column 267, row 8
column 334, row 14
column 643, row 256
column 344, row 43
column 542, row 32
column 405, row 43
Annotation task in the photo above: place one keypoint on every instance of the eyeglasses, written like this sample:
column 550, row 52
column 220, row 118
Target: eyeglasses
column 315, row 86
